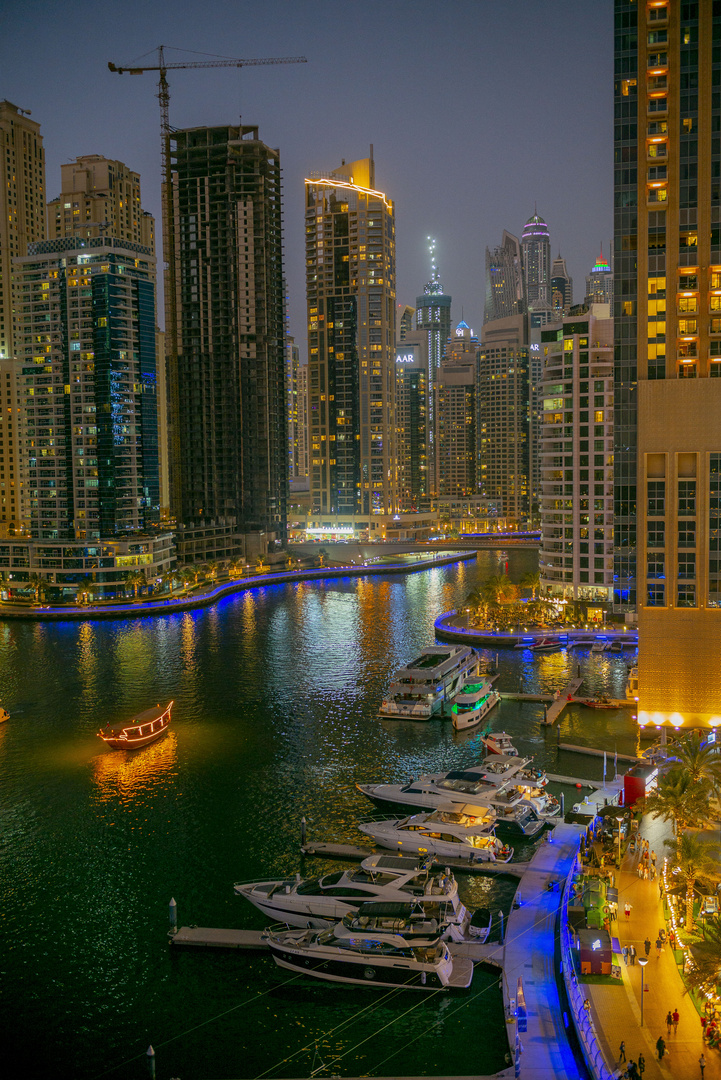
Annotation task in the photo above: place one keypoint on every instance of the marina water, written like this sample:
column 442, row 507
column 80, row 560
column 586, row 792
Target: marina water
column 276, row 694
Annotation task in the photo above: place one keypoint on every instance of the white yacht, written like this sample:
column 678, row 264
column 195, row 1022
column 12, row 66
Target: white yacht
column 398, row 949
column 320, row 902
column 450, row 831
column 419, row 689
column 632, row 685
column 499, row 742
column 515, row 798
column 473, row 701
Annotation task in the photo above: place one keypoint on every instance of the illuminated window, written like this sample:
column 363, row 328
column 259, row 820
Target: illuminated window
column 715, row 303
column 687, row 326
column 690, row 303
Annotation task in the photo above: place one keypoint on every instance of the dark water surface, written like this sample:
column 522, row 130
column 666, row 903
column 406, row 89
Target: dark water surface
column 276, row 693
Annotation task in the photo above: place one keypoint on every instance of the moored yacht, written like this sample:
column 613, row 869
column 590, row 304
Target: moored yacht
column 397, row 948
column 450, row 831
column 632, row 685
column 320, row 902
column 419, row 689
column 499, row 742
column 474, row 700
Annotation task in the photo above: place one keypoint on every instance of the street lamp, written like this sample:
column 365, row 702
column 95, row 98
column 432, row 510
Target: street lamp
column 620, row 823
column 643, row 960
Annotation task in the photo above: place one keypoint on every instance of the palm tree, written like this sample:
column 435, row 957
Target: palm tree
column 168, row 580
column 702, row 763
column 499, row 589
column 706, row 969
column 679, row 799
column 134, row 579
column 260, row 562
column 37, row 582
column 322, row 556
column 192, row 571
column 212, row 569
column 695, row 859
column 531, row 581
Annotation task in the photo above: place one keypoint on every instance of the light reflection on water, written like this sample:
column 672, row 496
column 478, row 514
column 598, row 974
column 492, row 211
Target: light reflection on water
column 276, row 695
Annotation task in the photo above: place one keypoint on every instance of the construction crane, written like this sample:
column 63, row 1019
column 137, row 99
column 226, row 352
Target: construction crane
column 168, row 231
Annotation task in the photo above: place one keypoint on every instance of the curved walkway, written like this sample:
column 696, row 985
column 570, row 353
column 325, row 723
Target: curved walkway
column 450, row 627
column 144, row 608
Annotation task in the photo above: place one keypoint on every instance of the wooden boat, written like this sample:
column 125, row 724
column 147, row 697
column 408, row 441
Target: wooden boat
column 4, row 715
column 597, row 703
column 140, row 730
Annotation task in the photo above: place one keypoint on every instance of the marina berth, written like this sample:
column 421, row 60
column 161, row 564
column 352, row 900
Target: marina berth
column 140, row 730
column 381, row 878
column 473, row 702
column 461, row 832
column 394, row 947
column 418, row 690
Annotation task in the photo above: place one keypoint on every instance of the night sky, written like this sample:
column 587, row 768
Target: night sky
column 476, row 110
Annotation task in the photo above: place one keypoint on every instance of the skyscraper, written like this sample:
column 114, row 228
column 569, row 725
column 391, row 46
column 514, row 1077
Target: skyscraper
column 457, row 394
column 599, row 283
column 90, row 429
column 350, row 277
column 576, row 458
column 433, row 328
column 561, row 287
column 667, row 272
column 503, row 427
column 229, row 412
column 536, row 244
column 100, row 197
column 505, row 281
column 412, row 410
column 22, row 202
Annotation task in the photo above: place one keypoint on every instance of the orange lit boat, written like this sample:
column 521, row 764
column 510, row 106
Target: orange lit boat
column 140, row 730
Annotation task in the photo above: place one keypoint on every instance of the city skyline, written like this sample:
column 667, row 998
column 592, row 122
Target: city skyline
column 514, row 152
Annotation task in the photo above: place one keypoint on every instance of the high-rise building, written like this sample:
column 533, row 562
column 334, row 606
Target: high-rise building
column 90, row 430
column 350, row 276
column 536, row 245
column 561, row 287
column 503, row 426
column 303, row 435
column 599, row 283
column 405, row 321
column 457, row 396
column 292, row 361
column 22, row 203
column 229, row 442
column 412, row 424
column 667, row 271
column 505, row 281
column 576, row 458
column 100, row 197
column 433, row 327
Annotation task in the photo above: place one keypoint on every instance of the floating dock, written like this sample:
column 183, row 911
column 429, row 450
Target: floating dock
column 593, row 752
column 212, row 938
column 565, row 698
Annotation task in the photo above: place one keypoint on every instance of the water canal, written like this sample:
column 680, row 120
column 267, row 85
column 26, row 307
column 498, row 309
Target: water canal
column 276, row 694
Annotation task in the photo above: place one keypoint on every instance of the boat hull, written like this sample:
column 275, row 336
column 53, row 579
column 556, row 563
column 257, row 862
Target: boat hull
column 363, row 972
column 466, row 720
column 142, row 730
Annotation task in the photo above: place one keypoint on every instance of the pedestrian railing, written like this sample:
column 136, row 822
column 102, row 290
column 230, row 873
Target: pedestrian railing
column 582, row 1019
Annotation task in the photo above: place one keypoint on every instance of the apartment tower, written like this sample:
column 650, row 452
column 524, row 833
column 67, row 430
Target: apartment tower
column 536, row 245
column 100, row 197
column 350, row 279
column 668, row 350
column 229, row 429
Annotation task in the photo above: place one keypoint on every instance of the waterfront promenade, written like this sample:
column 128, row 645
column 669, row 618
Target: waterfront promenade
column 208, row 595
column 454, row 628
column 616, row 1010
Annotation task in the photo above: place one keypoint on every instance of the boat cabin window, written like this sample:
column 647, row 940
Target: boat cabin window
column 309, row 887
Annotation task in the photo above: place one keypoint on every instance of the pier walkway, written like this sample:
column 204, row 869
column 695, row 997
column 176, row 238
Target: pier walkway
column 553, row 712
column 529, row 953
column 616, row 1010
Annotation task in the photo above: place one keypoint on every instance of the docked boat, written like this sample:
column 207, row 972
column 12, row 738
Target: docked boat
column 499, row 742
column 473, row 701
column 519, row 803
column 381, row 878
column 544, row 644
column 616, row 647
column 395, row 948
column 599, row 646
column 450, row 831
column 4, row 715
column 419, row 689
column 476, row 780
column 140, row 730
column 632, row 685
column 597, row 703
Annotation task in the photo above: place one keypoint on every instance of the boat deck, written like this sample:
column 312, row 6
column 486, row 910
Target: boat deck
column 350, row 851
column 214, row 938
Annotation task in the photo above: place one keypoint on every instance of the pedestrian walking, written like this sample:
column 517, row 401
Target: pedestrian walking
column 702, row 1064
column 660, row 1047
column 632, row 1071
column 672, row 939
column 641, row 1064
column 632, row 954
column 653, row 871
column 660, row 889
column 627, row 909
column 659, row 947
column 624, row 954
column 645, row 872
column 640, row 868
column 653, row 857
column 622, row 1051
column 676, row 1019
column 669, row 1022
column 647, row 946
